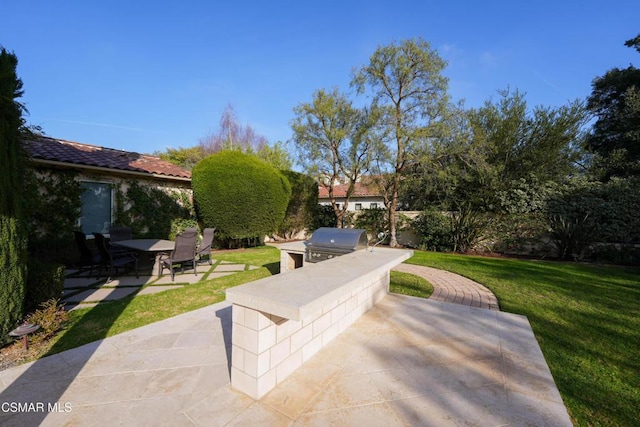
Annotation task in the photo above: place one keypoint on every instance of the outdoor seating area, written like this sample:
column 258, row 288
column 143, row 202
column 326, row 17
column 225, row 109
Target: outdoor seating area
column 117, row 251
column 114, row 265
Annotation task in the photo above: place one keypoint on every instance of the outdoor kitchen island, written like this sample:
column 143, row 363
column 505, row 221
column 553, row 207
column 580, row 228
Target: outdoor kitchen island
column 281, row 321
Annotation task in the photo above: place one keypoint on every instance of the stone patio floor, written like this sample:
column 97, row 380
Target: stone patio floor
column 408, row 361
column 81, row 291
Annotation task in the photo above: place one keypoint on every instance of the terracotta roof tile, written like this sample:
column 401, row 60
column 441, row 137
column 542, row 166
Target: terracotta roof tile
column 90, row 155
column 360, row 190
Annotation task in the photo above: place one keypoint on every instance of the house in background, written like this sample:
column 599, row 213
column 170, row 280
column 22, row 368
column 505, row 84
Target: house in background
column 366, row 195
column 101, row 171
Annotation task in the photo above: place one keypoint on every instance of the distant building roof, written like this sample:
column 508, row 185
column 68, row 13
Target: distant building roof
column 361, row 190
column 62, row 153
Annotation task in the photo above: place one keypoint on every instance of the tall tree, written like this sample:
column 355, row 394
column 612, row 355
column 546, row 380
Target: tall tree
column 615, row 101
column 13, row 242
column 183, row 157
column 232, row 135
column 543, row 142
column 406, row 82
column 333, row 143
column 276, row 155
column 494, row 149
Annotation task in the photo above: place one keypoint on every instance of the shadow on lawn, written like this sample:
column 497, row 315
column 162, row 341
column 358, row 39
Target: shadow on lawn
column 273, row 267
column 39, row 389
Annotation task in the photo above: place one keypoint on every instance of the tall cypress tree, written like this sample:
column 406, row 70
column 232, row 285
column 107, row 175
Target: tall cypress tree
column 13, row 242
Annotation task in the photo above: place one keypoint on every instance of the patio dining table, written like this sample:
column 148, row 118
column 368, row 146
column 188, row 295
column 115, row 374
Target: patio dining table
column 155, row 246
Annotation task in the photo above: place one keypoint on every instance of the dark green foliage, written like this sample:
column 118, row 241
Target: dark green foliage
column 45, row 281
column 180, row 224
column 594, row 212
column 520, row 143
column 571, row 235
column 614, row 254
column 615, row 100
column 323, row 216
column 304, row 199
column 374, row 221
column 13, row 242
column 467, row 228
column 434, row 231
column 53, row 206
column 150, row 211
column 240, row 195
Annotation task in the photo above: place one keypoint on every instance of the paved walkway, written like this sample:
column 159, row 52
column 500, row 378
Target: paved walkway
column 453, row 288
column 408, row 361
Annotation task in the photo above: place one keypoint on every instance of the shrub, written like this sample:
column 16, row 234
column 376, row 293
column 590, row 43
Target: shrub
column 614, row 254
column 150, row 211
column 240, row 195
column 45, row 281
column 373, row 220
column 434, row 231
column 323, row 216
column 179, row 225
column 51, row 316
column 304, row 199
column 584, row 212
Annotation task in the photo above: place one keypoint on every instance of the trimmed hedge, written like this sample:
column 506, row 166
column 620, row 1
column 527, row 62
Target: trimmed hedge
column 13, row 242
column 239, row 194
column 302, row 206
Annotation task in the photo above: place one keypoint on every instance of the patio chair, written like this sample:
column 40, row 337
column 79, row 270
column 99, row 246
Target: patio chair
column 183, row 252
column 88, row 259
column 113, row 258
column 205, row 246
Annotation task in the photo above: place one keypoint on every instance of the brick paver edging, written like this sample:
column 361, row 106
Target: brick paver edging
column 451, row 287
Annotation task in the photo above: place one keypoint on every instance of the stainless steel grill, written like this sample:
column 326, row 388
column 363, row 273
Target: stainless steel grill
column 326, row 243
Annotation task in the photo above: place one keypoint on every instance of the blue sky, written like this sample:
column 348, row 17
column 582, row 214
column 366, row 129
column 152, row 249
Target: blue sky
column 148, row 75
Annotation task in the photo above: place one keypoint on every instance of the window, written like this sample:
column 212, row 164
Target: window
column 373, row 205
column 97, row 206
column 358, row 206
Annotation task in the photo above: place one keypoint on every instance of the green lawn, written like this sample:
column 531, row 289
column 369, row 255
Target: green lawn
column 104, row 320
column 586, row 319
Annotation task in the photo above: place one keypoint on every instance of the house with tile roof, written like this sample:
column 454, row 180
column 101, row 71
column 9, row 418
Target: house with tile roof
column 101, row 172
column 366, row 195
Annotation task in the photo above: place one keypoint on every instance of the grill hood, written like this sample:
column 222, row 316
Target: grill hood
column 326, row 242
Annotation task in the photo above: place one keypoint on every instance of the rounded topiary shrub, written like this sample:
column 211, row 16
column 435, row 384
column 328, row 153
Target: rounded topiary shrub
column 239, row 194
